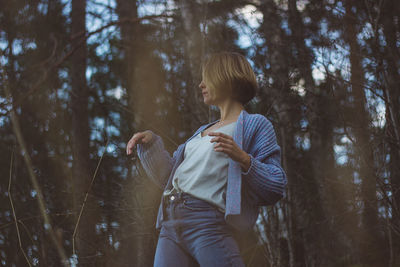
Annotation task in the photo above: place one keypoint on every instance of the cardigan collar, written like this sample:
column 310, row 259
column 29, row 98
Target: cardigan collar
column 237, row 134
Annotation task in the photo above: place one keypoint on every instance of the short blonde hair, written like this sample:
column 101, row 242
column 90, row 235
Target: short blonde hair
column 229, row 72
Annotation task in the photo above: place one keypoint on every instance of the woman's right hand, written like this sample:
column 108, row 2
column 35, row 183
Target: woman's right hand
column 138, row 138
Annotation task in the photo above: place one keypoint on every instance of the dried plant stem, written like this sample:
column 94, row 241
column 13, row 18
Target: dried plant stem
column 13, row 210
column 22, row 219
column 35, row 183
column 84, row 201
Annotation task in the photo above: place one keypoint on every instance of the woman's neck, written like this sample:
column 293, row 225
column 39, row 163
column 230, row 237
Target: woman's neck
column 230, row 110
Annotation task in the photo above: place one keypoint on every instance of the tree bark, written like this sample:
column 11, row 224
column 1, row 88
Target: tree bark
column 85, row 239
column 140, row 78
column 391, row 85
column 370, row 238
column 193, row 55
column 316, row 222
column 280, row 97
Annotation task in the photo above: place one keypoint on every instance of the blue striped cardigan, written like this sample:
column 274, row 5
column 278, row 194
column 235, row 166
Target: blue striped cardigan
column 263, row 184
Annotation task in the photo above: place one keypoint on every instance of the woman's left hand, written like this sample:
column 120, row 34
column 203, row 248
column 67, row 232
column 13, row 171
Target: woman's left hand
column 226, row 144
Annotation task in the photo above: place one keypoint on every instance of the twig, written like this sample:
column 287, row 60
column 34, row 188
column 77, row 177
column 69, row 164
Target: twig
column 84, row 36
column 148, row 123
column 20, row 220
column 13, row 210
column 84, row 201
column 35, row 183
column 27, row 231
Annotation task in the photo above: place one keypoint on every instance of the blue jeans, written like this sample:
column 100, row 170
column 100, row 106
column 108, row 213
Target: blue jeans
column 194, row 233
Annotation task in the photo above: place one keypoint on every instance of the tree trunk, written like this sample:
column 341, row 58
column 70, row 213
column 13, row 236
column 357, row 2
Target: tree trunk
column 193, row 55
column 85, row 239
column 315, row 223
column 391, row 81
column 282, row 103
column 142, row 194
column 370, row 242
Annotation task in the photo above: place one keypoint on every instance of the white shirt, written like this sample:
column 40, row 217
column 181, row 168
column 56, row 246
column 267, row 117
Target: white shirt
column 203, row 172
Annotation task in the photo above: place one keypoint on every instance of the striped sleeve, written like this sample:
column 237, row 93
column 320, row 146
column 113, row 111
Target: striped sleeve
column 265, row 176
column 156, row 161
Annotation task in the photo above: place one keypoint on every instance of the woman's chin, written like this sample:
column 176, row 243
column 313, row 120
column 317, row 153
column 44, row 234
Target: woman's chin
column 207, row 100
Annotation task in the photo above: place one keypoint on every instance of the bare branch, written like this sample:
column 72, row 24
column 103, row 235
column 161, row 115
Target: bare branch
column 84, row 201
column 35, row 183
column 13, row 210
column 83, row 36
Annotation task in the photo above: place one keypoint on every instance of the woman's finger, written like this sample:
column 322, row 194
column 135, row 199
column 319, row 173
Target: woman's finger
column 129, row 147
column 134, row 140
column 221, row 137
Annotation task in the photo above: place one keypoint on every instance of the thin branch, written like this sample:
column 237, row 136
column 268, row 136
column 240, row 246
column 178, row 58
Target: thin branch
column 13, row 210
column 147, row 123
column 84, row 201
column 29, row 165
column 21, row 220
column 83, row 36
column 27, row 231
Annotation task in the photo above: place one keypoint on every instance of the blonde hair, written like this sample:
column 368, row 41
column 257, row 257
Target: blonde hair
column 229, row 73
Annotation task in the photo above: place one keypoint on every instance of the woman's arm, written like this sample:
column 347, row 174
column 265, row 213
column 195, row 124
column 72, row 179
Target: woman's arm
column 265, row 177
column 156, row 161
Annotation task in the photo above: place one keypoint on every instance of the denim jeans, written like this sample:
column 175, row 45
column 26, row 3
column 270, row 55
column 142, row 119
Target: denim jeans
column 194, row 233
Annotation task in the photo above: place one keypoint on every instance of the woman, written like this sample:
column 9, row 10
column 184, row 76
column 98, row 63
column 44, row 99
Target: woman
column 215, row 182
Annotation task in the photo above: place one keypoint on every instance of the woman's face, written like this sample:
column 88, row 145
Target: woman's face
column 208, row 96
column 206, row 93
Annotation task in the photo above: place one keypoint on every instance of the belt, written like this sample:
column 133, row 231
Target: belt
column 176, row 197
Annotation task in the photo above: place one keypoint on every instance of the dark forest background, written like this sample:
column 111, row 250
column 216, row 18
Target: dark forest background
column 80, row 77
